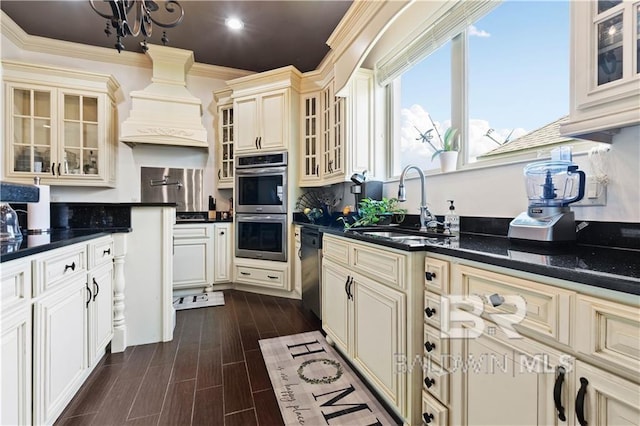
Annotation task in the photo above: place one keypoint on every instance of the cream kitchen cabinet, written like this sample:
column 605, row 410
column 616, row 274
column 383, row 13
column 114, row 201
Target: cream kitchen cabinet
column 225, row 125
column 193, row 256
column 337, row 133
column 15, row 343
column 262, row 273
column 57, row 319
column 59, row 125
column 371, row 311
column 297, row 261
column 562, row 338
column 605, row 69
column 265, row 108
column 60, row 332
column 223, row 254
column 262, row 121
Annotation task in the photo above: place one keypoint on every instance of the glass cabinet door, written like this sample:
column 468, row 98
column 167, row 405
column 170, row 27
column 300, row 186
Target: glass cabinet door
column 226, row 133
column 80, row 152
column 311, row 154
column 31, row 144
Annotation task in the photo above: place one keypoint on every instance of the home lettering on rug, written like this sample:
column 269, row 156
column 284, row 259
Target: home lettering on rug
column 332, row 402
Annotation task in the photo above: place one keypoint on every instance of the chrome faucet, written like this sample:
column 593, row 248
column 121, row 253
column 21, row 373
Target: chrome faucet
column 425, row 214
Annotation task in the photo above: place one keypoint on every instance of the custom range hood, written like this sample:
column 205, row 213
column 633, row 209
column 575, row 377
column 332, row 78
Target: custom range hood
column 165, row 113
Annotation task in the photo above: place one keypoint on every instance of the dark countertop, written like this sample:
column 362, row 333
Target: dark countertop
column 605, row 267
column 33, row 244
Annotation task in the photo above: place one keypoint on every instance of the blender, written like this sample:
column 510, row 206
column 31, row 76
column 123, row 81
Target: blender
column 551, row 187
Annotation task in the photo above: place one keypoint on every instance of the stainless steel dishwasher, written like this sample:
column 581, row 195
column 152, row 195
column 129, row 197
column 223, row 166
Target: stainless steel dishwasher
column 311, row 246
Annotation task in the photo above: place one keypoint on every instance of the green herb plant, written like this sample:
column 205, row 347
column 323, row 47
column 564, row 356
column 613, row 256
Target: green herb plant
column 371, row 212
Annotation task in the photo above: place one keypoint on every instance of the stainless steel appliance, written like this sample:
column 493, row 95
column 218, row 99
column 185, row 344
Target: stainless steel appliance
column 261, row 236
column 310, row 256
column 180, row 186
column 261, row 183
column 551, row 187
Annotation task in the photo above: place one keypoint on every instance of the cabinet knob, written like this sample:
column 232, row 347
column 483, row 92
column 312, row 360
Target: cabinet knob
column 221, row 232
column 429, row 346
column 427, row 417
column 430, row 312
column 429, row 275
column 428, row 382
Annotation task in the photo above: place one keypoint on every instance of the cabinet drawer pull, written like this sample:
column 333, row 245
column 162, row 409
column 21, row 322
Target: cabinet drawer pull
column 582, row 393
column 219, row 172
column 273, row 277
column 86, row 284
column 245, row 273
column 557, row 394
column 317, row 170
column 429, row 275
column 428, row 382
column 72, row 267
column 427, row 417
column 496, row 300
column 430, row 312
column 96, row 288
column 300, row 253
column 346, row 286
column 260, row 142
column 429, row 346
column 107, row 251
column 59, row 169
column 53, row 169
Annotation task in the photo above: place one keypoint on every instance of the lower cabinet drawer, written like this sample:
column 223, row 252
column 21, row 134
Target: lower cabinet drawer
column 16, row 284
column 435, row 348
column 609, row 332
column 58, row 267
column 432, row 309
column 433, row 413
column 100, row 252
column 435, row 380
column 262, row 277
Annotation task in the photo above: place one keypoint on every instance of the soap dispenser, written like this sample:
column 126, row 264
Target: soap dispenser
column 452, row 218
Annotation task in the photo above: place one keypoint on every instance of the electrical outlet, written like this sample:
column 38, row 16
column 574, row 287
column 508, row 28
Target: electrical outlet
column 595, row 193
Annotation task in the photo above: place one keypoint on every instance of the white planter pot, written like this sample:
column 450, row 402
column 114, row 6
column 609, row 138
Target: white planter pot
column 448, row 161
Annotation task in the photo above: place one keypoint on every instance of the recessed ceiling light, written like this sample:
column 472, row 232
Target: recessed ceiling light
column 234, row 23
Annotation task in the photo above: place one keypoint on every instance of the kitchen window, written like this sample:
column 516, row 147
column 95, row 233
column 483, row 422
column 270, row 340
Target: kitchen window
column 503, row 77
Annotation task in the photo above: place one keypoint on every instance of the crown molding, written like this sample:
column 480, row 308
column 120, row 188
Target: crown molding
column 24, row 41
column 278, row 78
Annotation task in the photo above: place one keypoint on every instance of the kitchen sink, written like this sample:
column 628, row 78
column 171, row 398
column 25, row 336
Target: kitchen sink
column 405, row 236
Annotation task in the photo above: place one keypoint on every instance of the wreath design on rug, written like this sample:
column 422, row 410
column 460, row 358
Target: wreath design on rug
column 324, row 379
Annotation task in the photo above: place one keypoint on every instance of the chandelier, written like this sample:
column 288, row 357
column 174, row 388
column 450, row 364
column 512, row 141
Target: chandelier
column 132, row 17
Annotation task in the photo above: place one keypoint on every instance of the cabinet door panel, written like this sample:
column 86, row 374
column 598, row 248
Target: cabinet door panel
column 222, row 253
column 15, row 369
column 246, row 127
column 273, row 121
column 335, row 312
column 60, row 348
column 609, row 399
column 380, row 334
column 189, row 263
column 101, row 311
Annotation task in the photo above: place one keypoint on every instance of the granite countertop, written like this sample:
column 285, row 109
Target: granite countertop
column 605, row 267
column 33, row 244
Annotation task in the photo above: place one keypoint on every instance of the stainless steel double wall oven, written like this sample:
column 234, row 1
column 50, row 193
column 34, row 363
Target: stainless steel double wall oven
column 261, row 206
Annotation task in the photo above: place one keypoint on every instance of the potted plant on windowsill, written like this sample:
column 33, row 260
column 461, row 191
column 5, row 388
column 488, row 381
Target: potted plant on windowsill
column 447, row 152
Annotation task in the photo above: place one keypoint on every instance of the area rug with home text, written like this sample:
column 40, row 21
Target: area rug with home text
column 200, row 300
column 314, row 386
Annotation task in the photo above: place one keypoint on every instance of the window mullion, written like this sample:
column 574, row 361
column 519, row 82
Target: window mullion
column 459, row 93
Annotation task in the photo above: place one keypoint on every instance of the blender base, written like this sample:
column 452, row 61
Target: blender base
column 560, row 227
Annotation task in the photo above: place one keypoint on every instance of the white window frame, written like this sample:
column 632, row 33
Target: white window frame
column 459, row 100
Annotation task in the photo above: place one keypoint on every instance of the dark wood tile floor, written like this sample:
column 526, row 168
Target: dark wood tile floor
column 211, row 373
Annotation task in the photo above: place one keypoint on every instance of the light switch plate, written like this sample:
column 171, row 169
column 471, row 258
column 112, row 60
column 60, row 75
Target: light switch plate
column 595, row 194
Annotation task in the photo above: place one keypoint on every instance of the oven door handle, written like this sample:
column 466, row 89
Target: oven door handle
column 261, row 171
column 261, row 218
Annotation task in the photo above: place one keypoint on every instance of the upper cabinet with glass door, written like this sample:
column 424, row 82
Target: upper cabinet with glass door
column 225, row 144
column 605, row 68
column 59, row 125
